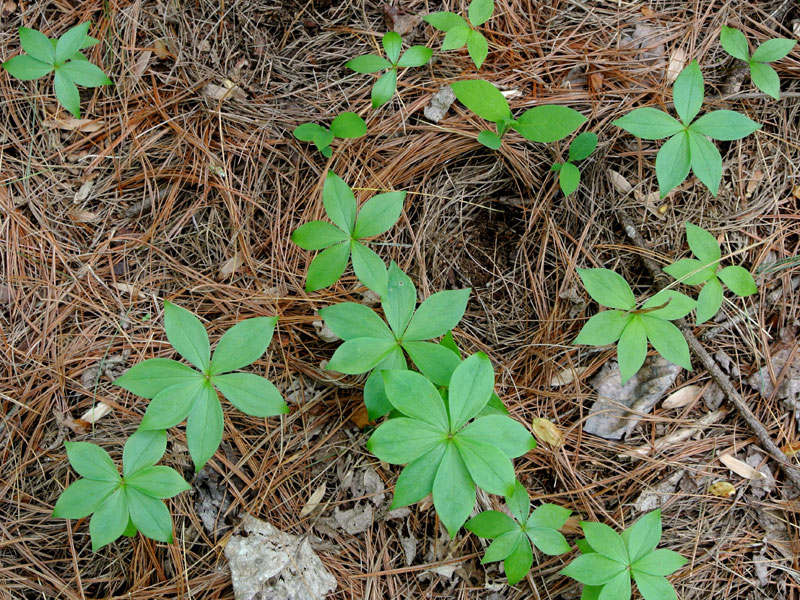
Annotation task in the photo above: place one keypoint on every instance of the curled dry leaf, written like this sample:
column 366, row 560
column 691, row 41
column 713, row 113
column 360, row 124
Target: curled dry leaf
column 721, row 489
column 83, row 216
column 567, row 376
column 71, row 124
column 741, row 468
column 677, row 62
column 83, row 193
column 100, row 410
column 226, row 91
column 546, row 431
column 682, row 397
column 619, row 182
column 128, row 289
column 572, row 526
column 314, row 500
column 230, row 266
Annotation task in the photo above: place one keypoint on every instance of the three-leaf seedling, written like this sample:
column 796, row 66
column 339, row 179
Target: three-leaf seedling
column 763, row 76
column 62, row 56
column 542, row 124
column 569, row 176
column 688, row 147
column 347, row 125
column 122, row 505
column 459, row 32
column 344, row 239
column 385, row 86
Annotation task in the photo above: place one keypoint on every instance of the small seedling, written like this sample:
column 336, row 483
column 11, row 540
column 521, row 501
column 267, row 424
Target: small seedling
column 62, row 56
column 347, row 125
column 706, row 271
column 459, row 32
column 121, row 505
column 542, row 124
column 385, row 86
column 688, row 147
column 632, row 328
column 369, row 343
column 513, row 537
column 179, row 392
column 569, row 177
column 609, row 561
column 443, row 456
column 763, row 76
column 345, row 237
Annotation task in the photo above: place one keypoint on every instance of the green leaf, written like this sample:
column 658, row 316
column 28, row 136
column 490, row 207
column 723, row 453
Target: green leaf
column 400, row 300
column 317, row 235
column 690, row 271
column 368, row 63
column 766, row 79
column 605, row 540
column 109, row 520
column 379, row 214
column 187, row 335
column 490, row 139
column 519, row 503
column 322, row 140
column 251, row 394
column 326, row 152
column 453, row 491
column 643, row 536
column 593, row 569
column 735, row 43
column 632, row 349
column 709, row 300
column 84, row 73
column 308, row 132
column 348, row 125
column 724, row 125
column 448, row 342
column 456, row 37
column 582, row 146
column 416, row 397
column 470, row 387
column 203, row 428
column 687, row 92
column 26, row 67
column 480, row 11
column 677, row 305
column 556, row 167
column 437, row 314
column 673, row 162
column 130, row 530
column 416, row 480
column 242, row 344
column 436, row 362
column 548, row 516
column 444, row 21
column 482, row 98
column 143, row 449
column 150, row 515
column 738, row 279
column 548, row 540
column 603, row 328
column 91, row 461
column 369, row 268
column 67, row 94
column 659, row 562
column 392, row 44
column 649, row 124
column 154, row 375
column 491, row 524
column 402, row 440
column 510, row 436
column 478, row 47
column 375, row 398
column 384, row 88
column 706, row 161
column 489, row 468
column 703, row 244
column 416, row 56
column 569, row 177
column 349, row 320
column 618, row 588
column 503, row 546
column 519, row 562
column 82, row 498
column 359, row 355
column 172, row 405
column 72, row 41
column 37, row 45
column 158, row 481
column 653, row 587
column 668, row 340
column 773, row 50
column 339, row 202
column 549, row 123
column 327, row 267
column 607, row 288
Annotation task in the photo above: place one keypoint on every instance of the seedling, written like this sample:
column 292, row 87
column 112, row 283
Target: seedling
column 542, row 124
column 569, row 177
column 121, row 505
column 369, row 343
column 385, row 86
column 513, row 537
column 763, row 76
column 179, row 392
column 443, row 456
column 706, row 271
column 631, row 328
column 347, row 125
column 688, row 146
column 460, row 32
column 62, row 56
column 345, row 238
column 609, row 561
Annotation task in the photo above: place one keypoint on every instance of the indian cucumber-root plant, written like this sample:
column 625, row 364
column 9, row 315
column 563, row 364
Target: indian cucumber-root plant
column 347, row 125
column 763, row 76
column 459, row 32
column 569, row 176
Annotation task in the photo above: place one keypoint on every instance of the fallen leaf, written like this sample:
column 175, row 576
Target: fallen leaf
column 567, row 376
column 547, row 432
column 224, row 92
column 439, row 104
column 83, row 193
column 400, row 21
column 647, row 11
column 722, row 489
column 789, row 388
column 141, row 63
column 791, row 449
column 128, row 289
column 355, row 520
column 314, row 500
column 100, row 410
column 83, row 216
column 619, row 182
column 360, row 418
column 71, row 124
column 658, row 495
column 324, row 332
column 796, row 191
column 678, row 436
column 753, row 182
column 677, row 62
column 682, row 397
column 8, row 9
column 230, row 266
column 596, row 81
column 572, row 526
column 161, row 49
column 742, row 469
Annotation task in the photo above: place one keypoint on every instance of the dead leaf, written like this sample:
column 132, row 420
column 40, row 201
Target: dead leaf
column 83, row 193
column 128, row 289
column 355, row 520
column 677, row 62
column 619, row 182
column 742, row 469
column 658, row 495
column 314, row 500
column 684, row 396
column 83, row 216
column 400, row 22
column 596, row 82
column 71, row 124
column 360, row 418
column 721, row 489
column 230, row 266
column 791, row 449
column 796, row 191
column 753, row 182
column 546, row 431
column 651, row 203
column 647, row 12
column 567, row 376
column 224, row 92
column 141, row 63
column 93, row 415
column 678, row 436
column 789, row 389
column 161, row 49
column 8, row 9
column 324, row 332
column 572, row 526
column 439, row 104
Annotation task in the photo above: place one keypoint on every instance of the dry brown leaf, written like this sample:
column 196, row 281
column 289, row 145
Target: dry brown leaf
column 128, row 289
column 230, row 266
column 796, row 191
column 791, row 449
column 647, row 11
column 651, row 203
column 567, row 376
column 722, row 489
column 226, row 91
column 546, row 431
column 100, row 410
column 314, row 500
column 678, row 436
column 596, row 82
column 360, row 418
column 619, row 182
column 84, row 191
column 572, row 526
column 8, row 8
column 682, row 397
column 753, row 182
column 741, row 468
column 71, row 124
column 141, row 63
column 83, row 216
column 677, row 62
column 161, row 49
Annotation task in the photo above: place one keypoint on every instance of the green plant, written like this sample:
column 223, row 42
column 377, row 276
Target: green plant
column 344, row 238
column 385, row 86
column 763, row 76
column 444, row 456
column 688, row 147
column 62, row 56
column 459, row 32
column 372, row 345
column 542, row 124
column 569, row 177
column 179, row 392
column 631, row 328
column 609, row 561
column 347, row 125
column 513, row 537
column 121, row 505
column 706, row 271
